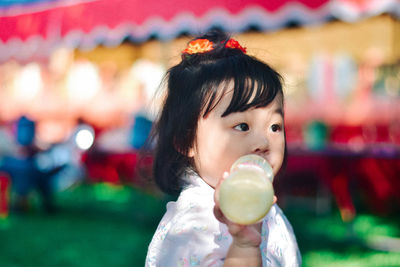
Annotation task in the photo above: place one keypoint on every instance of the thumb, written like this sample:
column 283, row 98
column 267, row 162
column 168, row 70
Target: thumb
column 216, row 193
column 274, row 200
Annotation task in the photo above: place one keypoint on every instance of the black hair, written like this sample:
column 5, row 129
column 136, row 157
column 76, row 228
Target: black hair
column 194, row 88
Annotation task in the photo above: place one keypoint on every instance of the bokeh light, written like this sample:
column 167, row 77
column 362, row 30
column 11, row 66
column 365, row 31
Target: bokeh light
column 84, row 139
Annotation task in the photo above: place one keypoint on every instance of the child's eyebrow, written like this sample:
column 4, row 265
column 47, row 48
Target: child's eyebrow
column 279, row 111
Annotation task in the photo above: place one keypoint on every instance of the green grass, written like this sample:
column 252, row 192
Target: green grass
column 368, row 240
column 106, row 225
column 95, row 226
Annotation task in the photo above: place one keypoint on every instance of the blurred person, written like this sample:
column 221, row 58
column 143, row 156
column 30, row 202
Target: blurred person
column 67, row 156
column 23, row 170
column 63, row 161
column 221, row 104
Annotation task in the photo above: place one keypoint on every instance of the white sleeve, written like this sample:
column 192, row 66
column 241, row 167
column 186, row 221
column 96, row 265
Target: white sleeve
column 279, row 245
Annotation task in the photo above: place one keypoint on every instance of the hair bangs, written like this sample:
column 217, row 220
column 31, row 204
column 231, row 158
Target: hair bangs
column 254, row 85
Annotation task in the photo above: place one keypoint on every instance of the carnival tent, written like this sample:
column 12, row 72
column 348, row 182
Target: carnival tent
column 34, row 28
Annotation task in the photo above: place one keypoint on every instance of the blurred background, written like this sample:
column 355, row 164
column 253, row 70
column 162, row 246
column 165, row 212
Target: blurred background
column 77, row 85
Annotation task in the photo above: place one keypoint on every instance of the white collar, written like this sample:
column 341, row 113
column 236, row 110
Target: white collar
column 194, row 180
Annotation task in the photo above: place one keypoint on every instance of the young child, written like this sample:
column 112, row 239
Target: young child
column 221, row 104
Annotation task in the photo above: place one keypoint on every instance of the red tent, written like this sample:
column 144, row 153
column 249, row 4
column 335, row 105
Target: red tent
column 38, row 26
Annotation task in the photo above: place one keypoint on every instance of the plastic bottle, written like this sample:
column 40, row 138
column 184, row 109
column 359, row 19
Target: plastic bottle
column 246, row 195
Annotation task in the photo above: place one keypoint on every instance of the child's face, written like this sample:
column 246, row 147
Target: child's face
column 222, row 140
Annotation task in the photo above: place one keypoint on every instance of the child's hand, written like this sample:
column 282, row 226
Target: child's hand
column 243, row 235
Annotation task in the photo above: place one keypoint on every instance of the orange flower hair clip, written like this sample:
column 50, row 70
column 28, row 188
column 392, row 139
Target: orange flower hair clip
column 198, row 46
column 232, row 43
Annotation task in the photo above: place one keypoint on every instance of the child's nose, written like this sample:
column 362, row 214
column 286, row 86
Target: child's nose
column 261, row 144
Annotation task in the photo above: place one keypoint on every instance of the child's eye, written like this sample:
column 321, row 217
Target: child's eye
column 242, row 127
column 276, row 127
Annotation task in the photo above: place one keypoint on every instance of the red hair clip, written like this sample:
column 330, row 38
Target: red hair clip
column 232, row 43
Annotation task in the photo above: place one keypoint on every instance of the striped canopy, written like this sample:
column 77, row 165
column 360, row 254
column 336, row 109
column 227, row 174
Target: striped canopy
column 34, row 28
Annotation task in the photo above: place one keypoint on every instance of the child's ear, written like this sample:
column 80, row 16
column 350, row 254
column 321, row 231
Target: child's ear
column 191, row 152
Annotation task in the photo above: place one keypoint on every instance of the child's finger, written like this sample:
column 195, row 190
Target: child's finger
column 216, row 193
column 219, row 215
